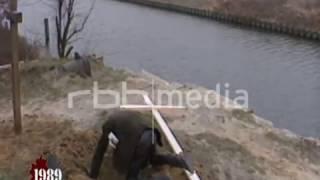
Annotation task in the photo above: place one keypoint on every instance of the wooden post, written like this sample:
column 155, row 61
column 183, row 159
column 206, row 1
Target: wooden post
column 47, row 33
column 15, row 18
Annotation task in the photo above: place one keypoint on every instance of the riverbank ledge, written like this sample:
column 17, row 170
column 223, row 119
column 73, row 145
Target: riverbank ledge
column 256, row 23
column 229, row 142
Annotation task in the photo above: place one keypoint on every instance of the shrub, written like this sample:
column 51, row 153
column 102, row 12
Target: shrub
column 26, row 50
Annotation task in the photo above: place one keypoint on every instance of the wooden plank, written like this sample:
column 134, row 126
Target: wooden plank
column 148, row 107
column 2, row 67
column 8, row 66
column 170, row 136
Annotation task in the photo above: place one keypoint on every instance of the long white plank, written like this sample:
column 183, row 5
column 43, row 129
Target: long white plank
column 169, row 135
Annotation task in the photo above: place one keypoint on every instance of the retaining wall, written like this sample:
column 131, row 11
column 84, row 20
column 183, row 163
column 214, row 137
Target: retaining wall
column 244, row 21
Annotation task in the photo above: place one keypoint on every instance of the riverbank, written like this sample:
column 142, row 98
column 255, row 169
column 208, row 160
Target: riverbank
column 297, row 13
column 290, row 17
column 225, row 143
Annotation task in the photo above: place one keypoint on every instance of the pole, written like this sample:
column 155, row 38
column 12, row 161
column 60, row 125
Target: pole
column 47, row 33
column 14, row 20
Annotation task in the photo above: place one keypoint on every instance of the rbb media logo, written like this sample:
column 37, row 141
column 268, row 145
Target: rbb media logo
column 40, row 171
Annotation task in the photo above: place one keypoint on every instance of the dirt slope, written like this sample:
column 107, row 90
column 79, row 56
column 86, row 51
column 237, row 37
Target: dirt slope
column 226, row 143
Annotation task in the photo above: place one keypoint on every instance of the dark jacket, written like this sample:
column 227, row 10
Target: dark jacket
column 128, row 126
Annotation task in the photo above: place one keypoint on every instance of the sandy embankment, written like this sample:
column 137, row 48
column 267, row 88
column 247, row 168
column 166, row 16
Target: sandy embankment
column 225, row 143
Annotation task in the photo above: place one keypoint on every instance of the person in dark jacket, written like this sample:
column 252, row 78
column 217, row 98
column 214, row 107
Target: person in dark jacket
column 135, row 147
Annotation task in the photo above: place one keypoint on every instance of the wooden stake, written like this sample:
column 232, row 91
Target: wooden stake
column 47, row 33
column 14, row 19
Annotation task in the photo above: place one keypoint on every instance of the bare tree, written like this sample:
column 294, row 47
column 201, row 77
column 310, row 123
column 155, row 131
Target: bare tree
column 69, row 24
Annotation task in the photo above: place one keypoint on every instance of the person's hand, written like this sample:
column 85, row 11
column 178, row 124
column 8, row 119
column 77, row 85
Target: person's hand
column 187, row 162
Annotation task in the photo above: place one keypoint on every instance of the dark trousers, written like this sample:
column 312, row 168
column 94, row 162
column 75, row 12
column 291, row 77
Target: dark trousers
column 146, row 154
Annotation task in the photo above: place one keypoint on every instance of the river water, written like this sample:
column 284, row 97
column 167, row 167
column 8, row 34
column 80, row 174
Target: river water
column 281, row 74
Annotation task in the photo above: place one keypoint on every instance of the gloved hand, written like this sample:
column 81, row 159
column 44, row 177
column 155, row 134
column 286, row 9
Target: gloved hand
column 186, row 160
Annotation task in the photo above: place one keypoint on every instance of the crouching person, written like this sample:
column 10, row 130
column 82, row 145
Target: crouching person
column 136, row 146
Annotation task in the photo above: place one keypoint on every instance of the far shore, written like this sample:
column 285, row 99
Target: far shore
column 302, row 14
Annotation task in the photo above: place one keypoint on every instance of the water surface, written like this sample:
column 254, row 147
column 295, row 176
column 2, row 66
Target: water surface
column 281, row 74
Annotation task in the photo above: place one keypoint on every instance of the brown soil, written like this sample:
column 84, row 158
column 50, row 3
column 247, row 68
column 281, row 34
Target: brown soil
column 43, row 135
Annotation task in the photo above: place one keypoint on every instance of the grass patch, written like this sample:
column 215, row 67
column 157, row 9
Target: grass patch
column 41, row 79
column 280, row 139
column 243, row 116
column 222, row 155
column 26, row 50
column 290, row 147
